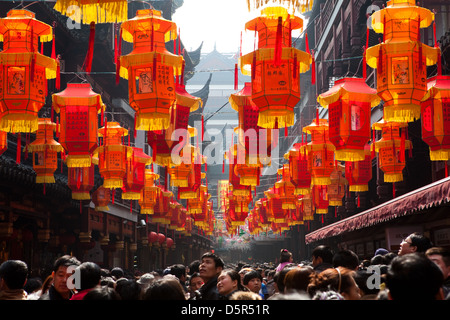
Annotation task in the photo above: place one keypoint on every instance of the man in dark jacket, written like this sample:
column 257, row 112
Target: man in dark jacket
column 209, row 270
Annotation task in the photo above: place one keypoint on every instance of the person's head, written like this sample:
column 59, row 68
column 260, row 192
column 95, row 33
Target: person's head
column 253, row 281
column 210, row 267
column 414, row 277
column 166, row 288
column 322, row 254
column 195, row 282
column 193, row 266
column 245, row 295
column 415, row 242
column 90, row 275
column 297, row 279
column 102, row 293
column 61, row 273
column 13, row 274
column 285, row 256
column 377, row 259
column 279, row 276
column 347, row 259
column 339, row 280
column 117, row 273
column 128, row 289
column 33, row 284
column 228, row 281
column 179, row 271
column 441, row 257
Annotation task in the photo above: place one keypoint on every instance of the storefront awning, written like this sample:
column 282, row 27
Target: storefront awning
column 428, row 196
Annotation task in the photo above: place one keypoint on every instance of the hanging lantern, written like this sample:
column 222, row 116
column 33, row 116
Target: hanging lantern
column 161, row 212
column 307, row 207
column 85, row 11
column 183, row 174
column 81, row 181
column 235, row 181
column 275, row 206
column 112, row 155
column 134, row 178
column 436, row 118
column 193, row 182
column 391, row 148
column 79, row 107
column 349, row 104
column 359, row 173
column 401, row 58
column 150, row 68
column 336, row 189
column 301, row 6
column 24, row 71
column 101, row 198
column 320, row 152
column 3, row 141
column 286, row 188
column 298, row 168
column 45, row 152
column 149, row 193
column 320, row 198
column 275, row 67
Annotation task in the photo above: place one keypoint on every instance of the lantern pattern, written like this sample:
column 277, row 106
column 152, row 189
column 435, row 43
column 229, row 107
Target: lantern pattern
column 298, row 168
column 307, row 207
column 336, row 189
column 45, row 152
column 85, row 11
column 134, row 178
column 23, row 71
column 78, row 107
column 320, row 198
column 359, row 173
column 401, row 58
column 275, row 67
column 150, row 68
column 391, row 148
column 81, row 181
column 149, row 193
column 101, row 198
column 349, row 104
column 436, row 117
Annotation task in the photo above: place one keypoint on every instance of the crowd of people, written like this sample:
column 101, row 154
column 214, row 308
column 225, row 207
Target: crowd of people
column 418, row 271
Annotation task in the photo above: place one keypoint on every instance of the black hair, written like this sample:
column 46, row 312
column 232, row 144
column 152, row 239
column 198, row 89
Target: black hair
column 347, row 259
column 90, row 275
column 102, row 293
column 251, row 275
column 14, row 273
column 323, row 252
column 420, row 241
column 65, row 261
column 217, row 260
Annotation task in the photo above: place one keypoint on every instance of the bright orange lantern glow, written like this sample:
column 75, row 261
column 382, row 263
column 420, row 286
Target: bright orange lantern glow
column 320, row 198
column 307, row 207
column 3, row 141
column 275, row 67
column 79, row 107
column 81, row 182
column 45, row 152
column 24, row 71
column 134, row 179
column 349, row 104
column 85, row 11
column 359, row 173
column 286, row 189
column 401, row 58
column 161, row 212
column 336, row 190
column 149, row 194
column 298, row 169
column 436, row 117
column 150, row 68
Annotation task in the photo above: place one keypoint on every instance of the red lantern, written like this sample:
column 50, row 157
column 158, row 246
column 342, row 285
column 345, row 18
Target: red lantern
column 336, row 189
column 359, row 173
column 3, row 141
column 101, row 198
column 161, row 238
column 286, row 188
column 149, row 193
column 79, row 107
column 349, row 104
column 320, row 198
column 169, row 243
column 23, row 70
column 161, row 212
column 134, row 179
column 298, row 168
column 150, row 68
column 275, row 67
column 152, row 237
column 81, row 182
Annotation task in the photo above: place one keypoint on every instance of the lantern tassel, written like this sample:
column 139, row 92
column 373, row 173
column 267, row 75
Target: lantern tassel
column 58, row 75
column 279, row 42
column 402, row 146
column 90, row 52
column 313, row 68
column 119, row 53
column 380, row 59
column 19, row 143
column 364, row 64
column 203, row 126
column 235, row 76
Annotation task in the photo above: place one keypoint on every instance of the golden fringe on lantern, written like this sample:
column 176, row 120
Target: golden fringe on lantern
column 113, row 183
column 81, row 196
column 349, row 155
column 152, row 121
column 359, row 188
column 104, row 11
column 101, row 208
column 147, row 58
column 240, row 192
column 287, row 205
column 301, row 191
column 321, row 211
column 16, row 123
column 402, row 113
column 25, row 58
column 335, row 203
column 440, row 155
column 320, row 181
column 45, row 179
column 300, row 5
column 179, row 183
column 131, row 195
column 147, row 211
column 188, row 194
column 42, row 147
column 284, row 118
column 393, row 177
column 78, row 161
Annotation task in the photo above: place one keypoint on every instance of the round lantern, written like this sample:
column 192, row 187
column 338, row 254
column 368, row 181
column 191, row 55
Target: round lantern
column 436, row 117
column 359, row 173
column 23, row 70
column 152, row 237
column 149, row 193
column 275, row 67
column 161, row 238
column 298, row 169
column 85, row 11
column 81, row 182
column 320, row 198
column 391, row 148
column 150, row 68
column 112, row 155
column 320, row 152
column 169, row 243
column 45, row 152
column 79, row 107
column 101, row 198
column 401, row 58
column 349, row 104
column 336, row 189
column 134, row 179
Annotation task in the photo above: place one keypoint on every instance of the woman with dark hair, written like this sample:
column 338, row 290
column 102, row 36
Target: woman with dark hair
column 338, row 280
column 285, row 258
column 167, row 288
column 228, row 282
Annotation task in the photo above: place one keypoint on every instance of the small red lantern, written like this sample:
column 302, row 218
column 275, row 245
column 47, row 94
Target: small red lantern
column 81, row 182
column 298, row 168
column 3, row 141
column 134, row 179
column 152, row 237
column 336, row 189
column 101, row 198
column 359, row 173
column 149, row 193
column 320, row 198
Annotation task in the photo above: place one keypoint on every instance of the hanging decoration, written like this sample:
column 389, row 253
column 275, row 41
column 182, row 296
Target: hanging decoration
column 134, row 178
column 101, row 198
column 319, row 195
column 336, row 189
column 286, row 189
column 85, row 11
column 300, row 5
column 298, row 168
column 149, row 193
column 359, row 173
column 81, row 181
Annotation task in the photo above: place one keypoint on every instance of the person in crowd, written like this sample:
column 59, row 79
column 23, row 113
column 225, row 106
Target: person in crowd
column 90, row 276
column 102, row 293
column 195, row 283
column 245, row 295
column 285, row 258
column 347, row 259
column 279, row 279
column 415, row 242
column 145, row 281
column 252, row 281
column 367, row 292
column 413, row 276
column 33, row 288
column 166, row 288
column 271, row 282
column 193, row 267
column 228, row 282
column 13, row 277
column 210, row 268
column 322, row 258
column 128, row 289
column 340, row 280
column 179, row 271
column 60, row 274
column 117, row 273
column 441, row 257
column 297, row 279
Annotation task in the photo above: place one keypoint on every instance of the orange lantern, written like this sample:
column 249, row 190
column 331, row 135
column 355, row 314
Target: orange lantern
column 391, row 148
column 261, row 209
column 275, row 206
column 349, row 104
column 193, row 182
column 112, row 155
column 101, row 198
column 81, row 182
column 150, row 68
column 3, row 141
column 436, row 117
column 359, row 173
column 307, row 207
column 24, row 71
column 336, row 189
column 149, row 193
column 189, row 226
column 298, row 168
column 134, row 179
column 237, row 187
column 401, row 58
column 320, row 198
column 275, row 67
column 286, row 188
column 85, row 11
column 320, row 152
column 45, row 152
column 79, row 107
column 161, row 212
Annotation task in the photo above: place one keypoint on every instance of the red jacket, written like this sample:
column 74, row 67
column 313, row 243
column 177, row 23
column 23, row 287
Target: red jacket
column 80, row 295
